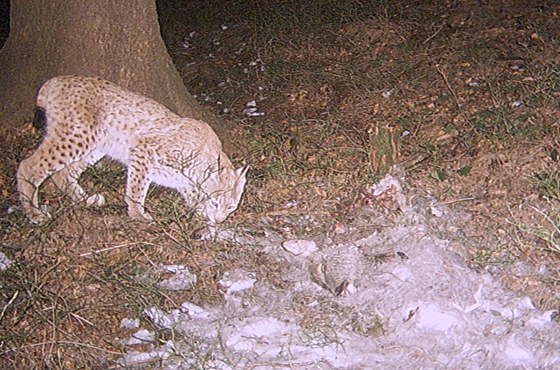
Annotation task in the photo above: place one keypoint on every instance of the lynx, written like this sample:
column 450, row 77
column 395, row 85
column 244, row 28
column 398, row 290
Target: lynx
column 88, row 118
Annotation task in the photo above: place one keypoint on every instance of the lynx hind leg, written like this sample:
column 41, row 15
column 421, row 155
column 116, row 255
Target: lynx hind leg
column 67, row 181
column 32, row 172
column 137, row 185
column 29, row 177
column 50, row 158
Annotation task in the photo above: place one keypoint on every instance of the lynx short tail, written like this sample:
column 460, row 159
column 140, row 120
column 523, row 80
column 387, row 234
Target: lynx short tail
column 40, row 118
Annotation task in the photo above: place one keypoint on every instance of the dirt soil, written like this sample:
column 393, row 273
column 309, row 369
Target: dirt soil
column 402, row 209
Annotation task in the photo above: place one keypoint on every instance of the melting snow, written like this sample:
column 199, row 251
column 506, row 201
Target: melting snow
column 428, row 310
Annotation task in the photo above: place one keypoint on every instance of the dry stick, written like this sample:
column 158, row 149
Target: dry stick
column 8, row 304
column 448, row 86
column 77, row 344
column 452, row 201
column 283, row 212
column 106, row 249
column 81, row 319
column 174, row 239
column 434, row 34
column 115, row 247
column 452, row 93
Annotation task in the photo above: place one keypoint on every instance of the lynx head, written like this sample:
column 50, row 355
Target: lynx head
column 224, row 189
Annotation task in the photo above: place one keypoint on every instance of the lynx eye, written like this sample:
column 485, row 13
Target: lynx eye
column 214, row 203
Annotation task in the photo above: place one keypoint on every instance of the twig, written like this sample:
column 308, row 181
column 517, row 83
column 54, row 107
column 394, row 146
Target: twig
column 113, row 247
column 8, row 304
column 77, row 344
column 444, row 76
column 455, row 98
column 282, row 212
column 452, row 201
column 434, row 34
column 80, row 318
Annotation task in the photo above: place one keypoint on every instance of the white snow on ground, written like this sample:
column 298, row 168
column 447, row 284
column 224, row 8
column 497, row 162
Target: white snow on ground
column 5, row 262
column 393, row 291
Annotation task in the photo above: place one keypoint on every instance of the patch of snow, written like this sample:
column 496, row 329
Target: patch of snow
column 182, row 278
column 434, row 317
column 136, row 357
column 387, row 93
column 516, row 352
column 300, row 247
column 237, row 281
column 291, row 204
column 385, row 185
column 127, row 323
column 437, row 212
column 5, row 262
column 142, row 336
column 251, row 109
column 255, row 333
column 403, row 273
column 354, row 302
column 194, row 311
column 159, row 318
column 185, row 44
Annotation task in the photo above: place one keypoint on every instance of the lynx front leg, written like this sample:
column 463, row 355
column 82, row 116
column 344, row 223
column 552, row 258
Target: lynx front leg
column 67, row 181
column 137, row 185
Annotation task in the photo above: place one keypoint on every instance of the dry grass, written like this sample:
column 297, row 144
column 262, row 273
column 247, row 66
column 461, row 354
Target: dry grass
column 475, row 93
column 78, row 276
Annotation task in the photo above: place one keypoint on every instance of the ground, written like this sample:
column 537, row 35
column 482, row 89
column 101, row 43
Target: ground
column 322, row 100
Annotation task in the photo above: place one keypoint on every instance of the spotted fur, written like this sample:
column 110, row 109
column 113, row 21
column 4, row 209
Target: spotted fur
column 88, row 118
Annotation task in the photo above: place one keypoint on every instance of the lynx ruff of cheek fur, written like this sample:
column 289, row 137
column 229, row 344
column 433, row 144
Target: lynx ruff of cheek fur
column 88, row 118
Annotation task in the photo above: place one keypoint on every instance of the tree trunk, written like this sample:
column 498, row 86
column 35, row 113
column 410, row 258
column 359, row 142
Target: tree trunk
column 117, row 40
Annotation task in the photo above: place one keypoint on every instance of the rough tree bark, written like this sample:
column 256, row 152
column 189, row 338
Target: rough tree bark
column 117, row 40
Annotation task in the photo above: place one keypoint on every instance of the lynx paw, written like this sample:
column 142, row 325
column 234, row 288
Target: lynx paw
column 39, row 216
column 95, row 200
column 140, row 216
